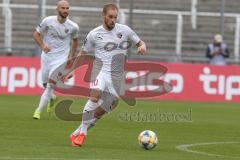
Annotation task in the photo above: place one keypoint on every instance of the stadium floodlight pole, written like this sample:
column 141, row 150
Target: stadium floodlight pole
column 7, row 13
column 222, row 17
column 179, row 31
column 39, row 10
column 121, row 14
column 131, row 14
column 130, row 21
column 41, row 15
column 43, row 11
column 194, row 14
column 38, row 50
column 237, row 39
column 118, row 3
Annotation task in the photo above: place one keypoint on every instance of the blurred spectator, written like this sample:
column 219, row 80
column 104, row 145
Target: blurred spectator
column 217, row 51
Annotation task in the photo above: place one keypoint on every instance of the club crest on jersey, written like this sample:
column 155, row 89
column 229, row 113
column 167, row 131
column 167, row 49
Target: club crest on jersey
column 98, row 36
column 66, row 30
column 119, row 35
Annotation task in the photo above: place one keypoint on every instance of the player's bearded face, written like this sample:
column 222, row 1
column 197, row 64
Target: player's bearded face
column 63, row 11
column 110, row 18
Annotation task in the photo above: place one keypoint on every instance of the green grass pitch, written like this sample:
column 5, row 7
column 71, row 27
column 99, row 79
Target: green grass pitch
column 213, row 127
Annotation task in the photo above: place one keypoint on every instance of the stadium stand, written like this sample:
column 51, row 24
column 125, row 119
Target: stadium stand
column 1, row 31
column 158, row 30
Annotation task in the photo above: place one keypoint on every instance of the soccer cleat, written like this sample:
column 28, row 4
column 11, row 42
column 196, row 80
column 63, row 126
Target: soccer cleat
column 36, row 115
column 72, row 138
column 51, row 104
column 79, row 140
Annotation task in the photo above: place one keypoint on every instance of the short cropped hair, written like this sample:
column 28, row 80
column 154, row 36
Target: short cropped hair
column 109, row 6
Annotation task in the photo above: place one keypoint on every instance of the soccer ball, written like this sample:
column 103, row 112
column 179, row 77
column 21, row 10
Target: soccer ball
column 147, row 139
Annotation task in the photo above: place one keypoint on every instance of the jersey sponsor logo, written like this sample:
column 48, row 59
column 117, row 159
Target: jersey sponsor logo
column 124, row 45
column 110, row 46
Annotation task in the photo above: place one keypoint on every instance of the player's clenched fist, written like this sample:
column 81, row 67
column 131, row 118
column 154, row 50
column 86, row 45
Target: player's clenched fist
column 45, row 48
column 141, row 48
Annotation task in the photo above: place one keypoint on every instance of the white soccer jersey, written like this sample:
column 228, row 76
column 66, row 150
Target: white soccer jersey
column 109, row 46
column 57, row 36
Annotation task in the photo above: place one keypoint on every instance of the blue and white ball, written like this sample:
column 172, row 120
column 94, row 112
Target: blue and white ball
column 147, row 139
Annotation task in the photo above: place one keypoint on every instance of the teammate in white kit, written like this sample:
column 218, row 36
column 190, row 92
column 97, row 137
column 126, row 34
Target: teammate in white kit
column 57, row 36
column 110, row 43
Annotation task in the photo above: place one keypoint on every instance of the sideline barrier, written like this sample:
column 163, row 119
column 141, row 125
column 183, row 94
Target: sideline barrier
column 191, row 82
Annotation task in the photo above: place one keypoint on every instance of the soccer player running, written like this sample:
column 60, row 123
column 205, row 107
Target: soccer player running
column 110, row 43
column 57, row 36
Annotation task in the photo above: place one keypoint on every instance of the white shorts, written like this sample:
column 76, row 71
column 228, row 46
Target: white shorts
column 105, row 82
column 110, row 86
column 49, row 65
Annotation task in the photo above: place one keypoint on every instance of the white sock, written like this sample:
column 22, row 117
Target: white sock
column 84, row 128
column 45, row 98
column 77, row 131
column 88, row 118
column 92, row 124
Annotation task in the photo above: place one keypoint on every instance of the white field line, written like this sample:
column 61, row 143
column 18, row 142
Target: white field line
column 39, row 158
column 186, row 148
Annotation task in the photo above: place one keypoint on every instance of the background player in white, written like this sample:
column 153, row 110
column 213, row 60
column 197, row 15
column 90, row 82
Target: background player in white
column 110, row 43
column 57, row 36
